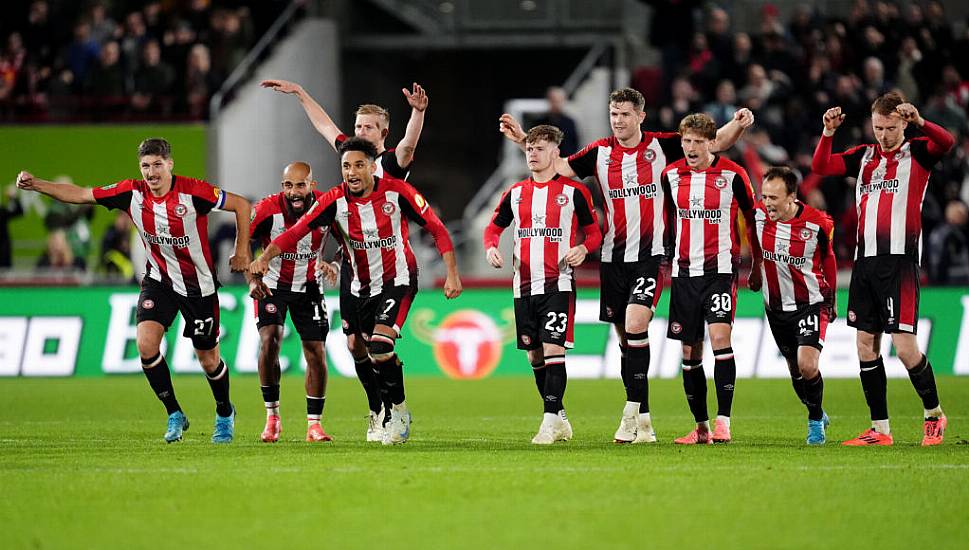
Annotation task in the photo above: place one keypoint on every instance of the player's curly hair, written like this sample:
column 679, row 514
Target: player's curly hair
column 885, row 104
column 628, row 94
column 545, row 132
column 358, row 144
column 699, row 123
column 371, row 109
column 155, row 146
column 784, row 173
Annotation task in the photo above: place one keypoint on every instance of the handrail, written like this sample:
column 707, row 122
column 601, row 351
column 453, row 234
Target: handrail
column 244, row 67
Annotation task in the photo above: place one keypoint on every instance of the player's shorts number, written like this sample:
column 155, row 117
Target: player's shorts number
column 648, row 282
column 721, row 302
column 390, row 305
column 890, row 304
column 316, row 312
column 203, row 327
column 809, row 324
column 562, row 318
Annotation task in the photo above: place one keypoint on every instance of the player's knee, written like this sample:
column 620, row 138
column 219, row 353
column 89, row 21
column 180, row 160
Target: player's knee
column 315, row 357
column 381, row 348
column 720, row 341
column 807, row 367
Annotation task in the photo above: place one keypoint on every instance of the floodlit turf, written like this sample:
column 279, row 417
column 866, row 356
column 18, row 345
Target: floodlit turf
column 83, row 464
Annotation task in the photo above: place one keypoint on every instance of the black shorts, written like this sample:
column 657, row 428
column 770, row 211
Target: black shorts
column 160, row 303
column 805, row 326
column 884, row 295
column 390, row 307
column 545, row 318
column 695, row 300
column 308, row 310
column 623, row 283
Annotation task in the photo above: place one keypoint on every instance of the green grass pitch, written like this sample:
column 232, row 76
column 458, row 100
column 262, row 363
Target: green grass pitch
column 83, row 465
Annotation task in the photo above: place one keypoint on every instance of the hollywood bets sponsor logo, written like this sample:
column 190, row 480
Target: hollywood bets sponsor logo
column 467, row 344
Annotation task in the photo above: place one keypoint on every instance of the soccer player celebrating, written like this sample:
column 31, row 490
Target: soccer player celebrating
column 291, row 285
column 372, row 124
column 171, row 214
column 704, row 192
column 627, row 166
column 799, row 284
column 547, row 209
column 883, row 295
column 369, row 215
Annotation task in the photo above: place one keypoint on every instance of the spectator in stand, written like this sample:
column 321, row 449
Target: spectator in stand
column 873, row 77
column 703, row 68
column 200, row 81
column 116, row 249
column 556, row 116
column 725, row 105
column 58, row 256
column 133, row 42
column 718, row 33
column 39, row 34
column 107, row 80
column 948, row 250
column 230, row 40
column 956, row 87
column 758, row 90
column 12, row 61
column 153, row 82
column 82, row 54
column 909, row 57
column 683, row 101
column 738, row 65
column 177, row 43
column 103, row 28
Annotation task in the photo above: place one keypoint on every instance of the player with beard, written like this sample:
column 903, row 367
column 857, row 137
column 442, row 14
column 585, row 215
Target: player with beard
column 883, row 296
column 171, row 214
column 291, row 285
column 369, row 215
column 627, row 166
column 372, row 123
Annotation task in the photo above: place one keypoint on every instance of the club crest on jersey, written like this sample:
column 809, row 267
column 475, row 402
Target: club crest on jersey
column 676, row 328
column 561, row 199
column 148, row 304
column 649, row 155
column 270, row 308
column 720, row 182
column 388, row 208
column 181, row 210
column 807, row 234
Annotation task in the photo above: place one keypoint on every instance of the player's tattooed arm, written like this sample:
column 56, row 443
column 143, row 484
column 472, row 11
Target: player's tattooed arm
column 63, row 192
column 417, row 99
column 314, row 111
column 729, row 133
column 239, row 261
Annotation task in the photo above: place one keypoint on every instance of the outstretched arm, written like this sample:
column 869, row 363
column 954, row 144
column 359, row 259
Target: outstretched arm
column 317, row 115
column 64, row 192
column 239, row 262
column 729, row 133
column 417, row 99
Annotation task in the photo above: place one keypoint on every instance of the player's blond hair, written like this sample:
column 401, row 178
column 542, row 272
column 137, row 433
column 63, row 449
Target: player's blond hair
column 545, row 132
column 371, row 109
column 699, row 123
column 623, row 95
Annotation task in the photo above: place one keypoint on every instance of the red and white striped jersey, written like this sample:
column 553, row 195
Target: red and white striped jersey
column 173, row 227
column 703, row 209
column 373, row 232
column 629, row 180
column 889, row 189
column 386, row 162
column 295, row 268
column 546, row 217
column 796, row 255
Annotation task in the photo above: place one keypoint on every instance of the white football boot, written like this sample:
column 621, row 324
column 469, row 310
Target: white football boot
column 564, row 432
column 375, row 428
column 644, row 430
column 547, row 432
column 628, row 424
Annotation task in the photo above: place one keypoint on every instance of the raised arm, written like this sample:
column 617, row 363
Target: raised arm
column 417, row 99
column 317, row 115
column 239, row 262
column 64, row 192
column 940, row 141
column 824, row 163
column 729, row 133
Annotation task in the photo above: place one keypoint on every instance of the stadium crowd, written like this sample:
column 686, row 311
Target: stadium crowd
column 103, row 60
column 790, row 72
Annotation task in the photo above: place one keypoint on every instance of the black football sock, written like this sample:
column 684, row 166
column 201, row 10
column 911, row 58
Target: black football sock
column 875, row 385
column 555, row 382
column 538, row 369
column 624, row 372
column 219, row 382
column 368, row 379
column 270, row 393
column 314, row 407
column 924, row 382
column 695, row 387
column 813, row 394
column 160, row 380
column 391, row 374
column 637, row 350
column 797, row 382
column 725, row 377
